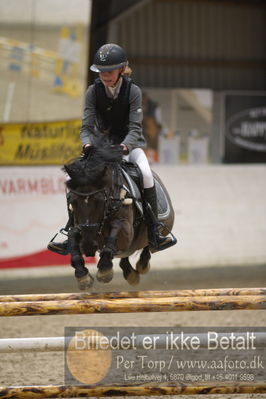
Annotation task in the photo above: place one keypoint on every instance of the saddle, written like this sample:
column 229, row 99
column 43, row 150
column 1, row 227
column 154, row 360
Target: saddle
column 133, row 177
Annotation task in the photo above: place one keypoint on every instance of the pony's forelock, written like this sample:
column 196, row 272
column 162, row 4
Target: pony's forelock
column 92, row 167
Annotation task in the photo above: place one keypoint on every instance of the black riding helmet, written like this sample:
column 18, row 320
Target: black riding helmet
column 108, row 58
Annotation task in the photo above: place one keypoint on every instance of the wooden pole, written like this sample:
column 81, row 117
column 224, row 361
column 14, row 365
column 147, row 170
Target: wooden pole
column 68, row 391
column 134, row 294
column 133, row 305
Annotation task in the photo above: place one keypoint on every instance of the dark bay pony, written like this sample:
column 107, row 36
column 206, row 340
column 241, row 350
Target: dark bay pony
column 106, row 217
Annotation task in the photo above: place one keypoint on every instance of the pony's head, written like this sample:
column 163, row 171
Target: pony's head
column 90, row 188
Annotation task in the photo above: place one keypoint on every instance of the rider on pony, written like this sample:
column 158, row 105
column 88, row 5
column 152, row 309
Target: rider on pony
column 113, row 110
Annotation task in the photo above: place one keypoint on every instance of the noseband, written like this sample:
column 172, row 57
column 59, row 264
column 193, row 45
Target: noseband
column 87, row 196
column 109, row 209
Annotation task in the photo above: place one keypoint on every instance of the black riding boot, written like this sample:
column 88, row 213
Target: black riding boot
column 157, row 241
column 62, row 248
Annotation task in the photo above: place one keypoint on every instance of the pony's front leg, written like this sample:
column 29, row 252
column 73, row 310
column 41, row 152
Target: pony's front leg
column 84, row 279
column 105, row 265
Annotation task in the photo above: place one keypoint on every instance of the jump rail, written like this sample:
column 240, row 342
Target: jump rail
column 72, row 391
column 133, row 305
column 134, row 294
column 59, row 344
column 127, row 302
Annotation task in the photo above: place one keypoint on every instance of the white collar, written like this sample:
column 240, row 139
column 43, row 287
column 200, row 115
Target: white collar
column 113, row 92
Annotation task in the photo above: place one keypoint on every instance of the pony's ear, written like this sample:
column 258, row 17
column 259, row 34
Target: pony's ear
column 67, row 169
column 73, row 169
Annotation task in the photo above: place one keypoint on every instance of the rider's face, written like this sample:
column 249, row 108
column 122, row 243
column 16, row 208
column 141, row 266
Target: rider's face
column 110, row 78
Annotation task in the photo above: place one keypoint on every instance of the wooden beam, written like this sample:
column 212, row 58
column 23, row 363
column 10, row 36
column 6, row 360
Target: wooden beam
column 134, row 294
column 69, row 391
column 222, row 3
column 133, row 305
column 196, row 62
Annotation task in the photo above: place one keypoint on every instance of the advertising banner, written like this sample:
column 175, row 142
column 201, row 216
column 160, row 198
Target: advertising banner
column 33, row 209
column 44, row 143
column 245, row 128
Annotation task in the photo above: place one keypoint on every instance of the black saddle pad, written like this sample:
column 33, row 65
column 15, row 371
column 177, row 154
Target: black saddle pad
column 134, row 177
column 162, row 198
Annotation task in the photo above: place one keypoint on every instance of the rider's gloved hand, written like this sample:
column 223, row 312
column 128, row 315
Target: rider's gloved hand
column 85, row 151
column 125, row 149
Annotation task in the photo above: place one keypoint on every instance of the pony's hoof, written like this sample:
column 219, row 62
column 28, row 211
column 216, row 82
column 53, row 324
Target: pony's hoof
column 133, row 278
column 85, row 282
column 105, row 276
column 142, row 269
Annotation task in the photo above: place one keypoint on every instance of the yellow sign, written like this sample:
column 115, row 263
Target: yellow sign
column 44, row 143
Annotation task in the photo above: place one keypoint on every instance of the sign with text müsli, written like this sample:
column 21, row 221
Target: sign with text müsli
column 40, row 143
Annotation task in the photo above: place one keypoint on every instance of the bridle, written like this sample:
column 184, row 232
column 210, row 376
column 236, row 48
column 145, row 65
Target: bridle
column 86, row 196
column 111, row 206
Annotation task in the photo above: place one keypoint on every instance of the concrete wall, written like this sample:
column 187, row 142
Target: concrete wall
column 220, row 215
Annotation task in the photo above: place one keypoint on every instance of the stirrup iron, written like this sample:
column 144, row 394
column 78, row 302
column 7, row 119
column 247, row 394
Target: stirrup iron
column 59, row 248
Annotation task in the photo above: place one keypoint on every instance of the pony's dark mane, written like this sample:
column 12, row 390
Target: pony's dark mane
column 90, row 169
